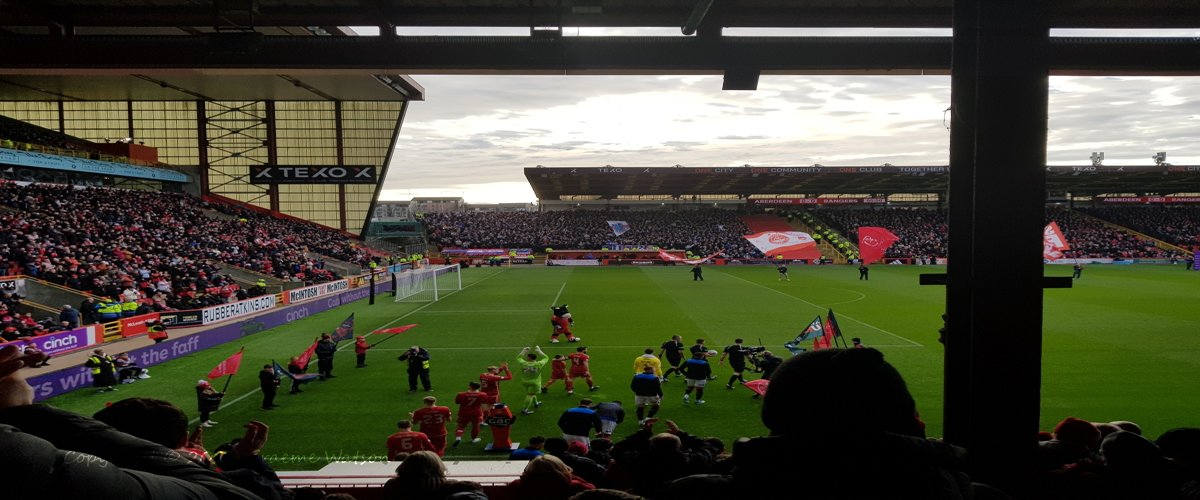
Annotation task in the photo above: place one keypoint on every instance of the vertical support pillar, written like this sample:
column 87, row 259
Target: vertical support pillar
column 999, row 95
column 62, row 117
column 202, row 145
column 341, row 161
column 272, row 154
column 129, row 128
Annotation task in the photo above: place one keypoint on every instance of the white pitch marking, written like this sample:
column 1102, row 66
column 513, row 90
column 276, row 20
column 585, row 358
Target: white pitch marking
column 913, row 342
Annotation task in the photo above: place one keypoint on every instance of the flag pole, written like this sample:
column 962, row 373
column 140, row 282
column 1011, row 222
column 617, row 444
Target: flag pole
column 389, row 337
column 230, row 377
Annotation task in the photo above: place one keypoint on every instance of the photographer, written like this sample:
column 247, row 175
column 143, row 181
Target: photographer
column 418, row 365
column 737, row 361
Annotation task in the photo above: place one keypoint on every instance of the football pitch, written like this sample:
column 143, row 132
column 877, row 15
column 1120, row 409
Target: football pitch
column 1124, row 344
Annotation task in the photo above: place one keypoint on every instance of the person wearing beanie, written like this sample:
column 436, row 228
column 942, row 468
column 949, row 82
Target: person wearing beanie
column 1074, row 440
column 208, row 400
column 873, row 430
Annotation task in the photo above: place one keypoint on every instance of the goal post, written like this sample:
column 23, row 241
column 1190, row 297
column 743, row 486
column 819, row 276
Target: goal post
column 428, row 284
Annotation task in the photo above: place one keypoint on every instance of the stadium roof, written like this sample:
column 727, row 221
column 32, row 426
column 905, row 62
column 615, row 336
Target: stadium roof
column 287, row 15
column 208, row 86
column 292, row 36
column 609, row 182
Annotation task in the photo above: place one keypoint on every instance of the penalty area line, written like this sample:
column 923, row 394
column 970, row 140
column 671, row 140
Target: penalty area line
column 864, row 323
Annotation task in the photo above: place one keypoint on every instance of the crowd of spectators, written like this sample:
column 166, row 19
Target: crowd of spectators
column 162, row 248
column 1091, row 238
column 141, row 448
column 702, row 231
column 1178, row 225
column 13, row 132
column 922, row 231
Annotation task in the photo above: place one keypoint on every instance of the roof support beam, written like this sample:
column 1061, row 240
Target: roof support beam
column 592, row 55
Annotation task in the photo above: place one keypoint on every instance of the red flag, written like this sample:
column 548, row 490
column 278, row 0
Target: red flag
column 1053, row 242
column 227, row 367
column 302, row 360
column 398, row 329
column 873, row 242
column 758, row 386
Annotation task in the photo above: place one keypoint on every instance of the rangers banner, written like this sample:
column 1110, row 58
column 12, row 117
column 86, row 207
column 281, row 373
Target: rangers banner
column 789, row 244
column 1053, row 242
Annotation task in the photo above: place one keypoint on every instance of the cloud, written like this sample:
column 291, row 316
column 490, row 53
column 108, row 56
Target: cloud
column 489, row 128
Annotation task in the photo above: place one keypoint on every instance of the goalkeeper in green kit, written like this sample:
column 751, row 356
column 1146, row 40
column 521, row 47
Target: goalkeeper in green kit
column 531, row 364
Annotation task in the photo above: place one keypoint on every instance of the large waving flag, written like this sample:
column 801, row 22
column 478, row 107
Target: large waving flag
column 812, row 331
column 300, row 377
column 227, row 367
column 873, row 242
column 1053, row 242
column 831, row 325
column 306, row 356
column 788, row 244
column 344, row 331
column 619, row 227
column 663, row 255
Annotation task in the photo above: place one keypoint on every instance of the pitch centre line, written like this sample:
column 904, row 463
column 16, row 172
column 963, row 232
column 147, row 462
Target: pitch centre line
column 556, row 297
column 913, row 342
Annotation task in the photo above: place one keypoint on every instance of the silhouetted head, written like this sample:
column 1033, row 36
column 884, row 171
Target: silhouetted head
column 877, row 399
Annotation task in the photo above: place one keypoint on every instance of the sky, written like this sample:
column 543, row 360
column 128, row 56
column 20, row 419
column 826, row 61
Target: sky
column 474, row 134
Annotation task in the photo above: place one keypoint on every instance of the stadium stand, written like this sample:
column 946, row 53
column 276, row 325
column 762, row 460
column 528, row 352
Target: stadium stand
column 1090, row 237
column 105, row 241
column 702, row 231
column 1177, row 225
column 922, row 231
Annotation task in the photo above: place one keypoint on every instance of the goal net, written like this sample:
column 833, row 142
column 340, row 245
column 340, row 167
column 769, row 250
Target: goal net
column 428, row 284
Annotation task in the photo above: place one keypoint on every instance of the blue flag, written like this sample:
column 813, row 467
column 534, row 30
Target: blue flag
column 619, row 227
column 301, row 377
column 812, row 331
column 345, row 331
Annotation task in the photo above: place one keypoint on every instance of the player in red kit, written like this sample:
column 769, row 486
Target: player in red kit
column 432, row 420
column 407, row 441
column 489, row 381
column 558, row 371
column 470, row 412
column 580, row 368
column 500, row 420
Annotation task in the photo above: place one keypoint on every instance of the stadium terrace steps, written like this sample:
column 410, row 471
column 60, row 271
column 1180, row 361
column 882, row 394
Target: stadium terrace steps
column 826, row 247
column 1157, row 242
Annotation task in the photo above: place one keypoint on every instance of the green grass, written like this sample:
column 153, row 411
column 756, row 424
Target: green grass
column 1122, row 344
